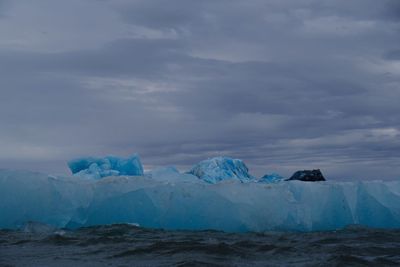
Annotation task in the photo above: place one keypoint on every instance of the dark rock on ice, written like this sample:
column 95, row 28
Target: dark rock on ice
column 308, row 176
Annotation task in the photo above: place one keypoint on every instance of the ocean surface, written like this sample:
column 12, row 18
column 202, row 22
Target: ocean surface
column 129, row 245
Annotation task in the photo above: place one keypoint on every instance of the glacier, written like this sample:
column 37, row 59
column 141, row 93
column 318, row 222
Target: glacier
column 165, row 198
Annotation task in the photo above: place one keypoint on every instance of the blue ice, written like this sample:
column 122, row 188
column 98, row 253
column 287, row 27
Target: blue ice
column 271, row 178
column 182, row 201
column 217, row 193
column 217, row 169
column 97, row 168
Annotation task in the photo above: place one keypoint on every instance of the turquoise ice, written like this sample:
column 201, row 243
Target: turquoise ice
column 271, row 178
column 97, row 168
column 169, row 199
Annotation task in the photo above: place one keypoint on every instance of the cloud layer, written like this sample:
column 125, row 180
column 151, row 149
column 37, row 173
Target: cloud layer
column 282, row 85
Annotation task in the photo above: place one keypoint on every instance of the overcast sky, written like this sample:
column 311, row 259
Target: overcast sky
column 281, row 84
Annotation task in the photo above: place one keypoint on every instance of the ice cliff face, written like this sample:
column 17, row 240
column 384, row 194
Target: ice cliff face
column 217, row 193
column 218, row 169
column 170, row 200
column 97, row 168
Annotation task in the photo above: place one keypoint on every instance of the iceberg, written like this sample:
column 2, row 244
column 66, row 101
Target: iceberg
column 97, row 168
column 168, row 199
column 217, row 169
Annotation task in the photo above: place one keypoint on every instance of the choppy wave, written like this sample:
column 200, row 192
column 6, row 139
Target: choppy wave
column 128, row 245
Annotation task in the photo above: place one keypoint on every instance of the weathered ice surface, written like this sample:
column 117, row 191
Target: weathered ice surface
column 170, row 200
column 97, row 168
column 308, row 176
column 218, row 169
column 171, row 174
column 271, row 178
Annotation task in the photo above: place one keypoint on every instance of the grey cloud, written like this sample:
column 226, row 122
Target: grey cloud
column 119, row 58
column 161, row 14
column 280, row 84
column 392, row 55
column 393, row 10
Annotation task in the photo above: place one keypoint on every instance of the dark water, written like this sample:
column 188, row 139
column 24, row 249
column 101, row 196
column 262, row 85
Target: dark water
column 125, row 245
